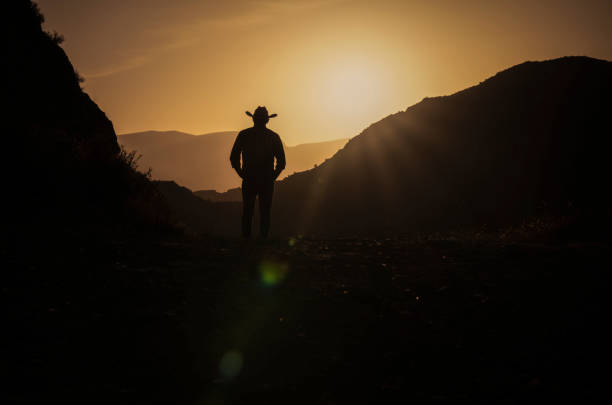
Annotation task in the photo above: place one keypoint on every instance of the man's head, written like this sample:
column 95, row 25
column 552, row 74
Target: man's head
column 260, row 116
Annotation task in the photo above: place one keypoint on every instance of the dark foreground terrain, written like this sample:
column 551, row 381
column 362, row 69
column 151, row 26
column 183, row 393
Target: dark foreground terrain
column 210, row 321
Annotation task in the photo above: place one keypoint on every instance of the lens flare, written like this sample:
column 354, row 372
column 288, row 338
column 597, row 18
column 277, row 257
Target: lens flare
column 230, row 364
column 272, row 272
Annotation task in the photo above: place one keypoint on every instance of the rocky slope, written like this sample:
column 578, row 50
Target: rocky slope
column 62, row 160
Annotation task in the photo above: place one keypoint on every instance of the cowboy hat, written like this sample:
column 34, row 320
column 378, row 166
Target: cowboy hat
column 260, row 112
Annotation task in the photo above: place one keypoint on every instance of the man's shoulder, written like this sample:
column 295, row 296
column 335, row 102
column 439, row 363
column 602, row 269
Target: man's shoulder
column 272, row 133
column 245, row 131
column 253, row 130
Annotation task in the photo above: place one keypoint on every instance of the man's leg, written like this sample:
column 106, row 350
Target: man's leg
column 265, row 205
column 248, row 205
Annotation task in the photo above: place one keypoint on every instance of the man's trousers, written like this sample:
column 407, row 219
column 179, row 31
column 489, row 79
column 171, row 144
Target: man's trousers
column 250, row 190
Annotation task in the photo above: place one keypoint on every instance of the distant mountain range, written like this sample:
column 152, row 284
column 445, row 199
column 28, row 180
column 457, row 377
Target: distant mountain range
column 202, row 161
column 531, row 140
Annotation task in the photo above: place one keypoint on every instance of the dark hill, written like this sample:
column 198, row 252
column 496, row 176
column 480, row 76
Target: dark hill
column 202, row 161
column 199, row 214
column 234, row 194
column 61, row 161
column 43, row 90
column 534, row 137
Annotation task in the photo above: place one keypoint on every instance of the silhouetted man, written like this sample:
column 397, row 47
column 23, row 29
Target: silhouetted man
column 258, row 146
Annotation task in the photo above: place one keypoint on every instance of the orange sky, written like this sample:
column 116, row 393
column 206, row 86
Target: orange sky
column 329, row 68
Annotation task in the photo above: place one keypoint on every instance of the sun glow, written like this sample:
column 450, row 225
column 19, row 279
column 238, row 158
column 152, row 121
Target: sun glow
column 352, row 87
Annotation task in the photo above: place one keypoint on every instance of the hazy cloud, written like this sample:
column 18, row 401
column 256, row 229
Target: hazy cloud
column 159, row 40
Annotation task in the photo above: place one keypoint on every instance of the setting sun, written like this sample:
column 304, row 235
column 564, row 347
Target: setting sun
column 352, row 87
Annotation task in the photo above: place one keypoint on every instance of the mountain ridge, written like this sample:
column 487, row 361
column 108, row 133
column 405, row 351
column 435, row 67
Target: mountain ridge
column 202, row 161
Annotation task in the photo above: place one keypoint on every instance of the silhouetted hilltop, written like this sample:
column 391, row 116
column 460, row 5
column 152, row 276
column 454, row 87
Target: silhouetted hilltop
column 43, row 90
column 532, row 138
column 306, row 155
column 197, row 214
column 61, row 153
column 202, row 161
column 234, row 194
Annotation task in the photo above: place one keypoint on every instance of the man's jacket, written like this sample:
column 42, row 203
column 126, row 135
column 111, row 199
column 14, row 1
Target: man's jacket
column 259, row 146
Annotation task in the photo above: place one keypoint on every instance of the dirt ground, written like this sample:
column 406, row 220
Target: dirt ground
column 137, row 319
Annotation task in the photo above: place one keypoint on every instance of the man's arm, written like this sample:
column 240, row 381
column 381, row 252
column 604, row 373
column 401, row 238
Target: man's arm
column 279, row 154
column 235, row 155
